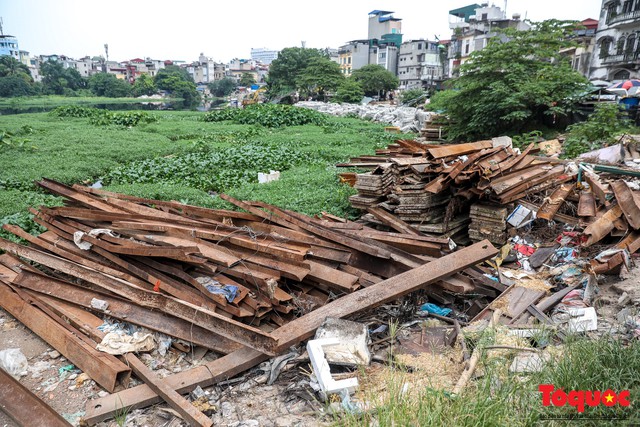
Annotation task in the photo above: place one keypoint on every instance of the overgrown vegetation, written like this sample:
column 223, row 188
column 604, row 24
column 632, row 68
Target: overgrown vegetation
column 268, row 115
column 100, row 117
column 513, row 84
column 413, row 96
column 598, row 130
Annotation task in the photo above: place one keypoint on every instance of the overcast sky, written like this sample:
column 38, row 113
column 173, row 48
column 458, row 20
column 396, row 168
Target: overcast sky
column 223, row 30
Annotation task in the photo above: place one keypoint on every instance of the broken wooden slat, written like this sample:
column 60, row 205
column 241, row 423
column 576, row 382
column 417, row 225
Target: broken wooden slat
column 392, row 221
column 458, row 149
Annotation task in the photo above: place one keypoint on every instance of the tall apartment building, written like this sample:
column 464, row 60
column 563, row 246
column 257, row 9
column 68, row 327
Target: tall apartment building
column 264, row 55
column 9, row 46
column 420, row 64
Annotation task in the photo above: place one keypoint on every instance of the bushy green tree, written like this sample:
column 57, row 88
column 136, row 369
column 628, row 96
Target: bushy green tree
column 285, row 70
column 512, row 83
column 375, row 79
column 105, row 84
column 321, row 75
column 222, row 87
column 144, row 86
column 412, row 96
column 247, row 80
column 11, row 67
column 15, row 86
column 349, row 91
column 57, row 80
column 179, row 83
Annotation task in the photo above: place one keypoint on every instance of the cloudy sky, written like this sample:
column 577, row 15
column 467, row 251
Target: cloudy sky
column 224, row 30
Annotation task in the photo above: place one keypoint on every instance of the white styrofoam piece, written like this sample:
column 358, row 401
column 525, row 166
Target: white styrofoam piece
column 583, row 319
column 322, row 370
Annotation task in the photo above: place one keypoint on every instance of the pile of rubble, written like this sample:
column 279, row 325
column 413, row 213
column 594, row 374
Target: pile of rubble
column 408, row 119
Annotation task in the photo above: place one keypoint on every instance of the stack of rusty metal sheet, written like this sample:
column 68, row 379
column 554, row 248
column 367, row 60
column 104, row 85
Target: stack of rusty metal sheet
column 246, row 284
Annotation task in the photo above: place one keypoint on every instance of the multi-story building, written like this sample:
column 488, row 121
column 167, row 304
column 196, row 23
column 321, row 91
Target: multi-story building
column 419, row 64
column 382, row 22
column 237, row 67
column 617, row 51
column 381, row 47
column 264, row 55
column 585, row 39
column 9, row 46
column 473, row 26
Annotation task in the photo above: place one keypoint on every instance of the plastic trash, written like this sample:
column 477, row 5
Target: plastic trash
column 13, row 362
column 432, row 308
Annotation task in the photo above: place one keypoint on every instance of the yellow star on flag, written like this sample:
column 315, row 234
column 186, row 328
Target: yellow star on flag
column 609, row 398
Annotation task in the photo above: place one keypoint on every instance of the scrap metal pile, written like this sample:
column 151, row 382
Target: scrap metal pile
column 487, row 190
column 245, row 284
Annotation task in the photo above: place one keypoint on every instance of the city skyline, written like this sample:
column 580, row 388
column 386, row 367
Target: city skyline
column 225, row 31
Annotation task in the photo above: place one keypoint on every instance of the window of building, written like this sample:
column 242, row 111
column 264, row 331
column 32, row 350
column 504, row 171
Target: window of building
column 419, row 46
column 485, row 16
column 631, row 41
column 605, row 47
column 621, row 75
column 349, row 60
column 620, row 46
column 394, row 31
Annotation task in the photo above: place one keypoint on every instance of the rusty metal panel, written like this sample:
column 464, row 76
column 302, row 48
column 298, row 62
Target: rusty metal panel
column 103, row 368
column 24, row 407
column 587, row 204
column 626, row 201
column 553, row 203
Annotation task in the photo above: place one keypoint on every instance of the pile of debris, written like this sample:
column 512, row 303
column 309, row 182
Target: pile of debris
column 247, row 285
column 408, row 119
column 489, row 190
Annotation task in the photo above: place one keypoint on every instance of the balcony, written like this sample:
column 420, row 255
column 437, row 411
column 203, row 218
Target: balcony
column 633, row 15
column 627, row 58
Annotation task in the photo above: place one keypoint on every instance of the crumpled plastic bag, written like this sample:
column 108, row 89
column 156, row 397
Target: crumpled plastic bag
column 13, row 362
column 114, row 343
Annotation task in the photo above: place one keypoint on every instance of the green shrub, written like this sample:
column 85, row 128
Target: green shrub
column 597, row 131
column 268, row 115
column 412, row 96
column 74, row 111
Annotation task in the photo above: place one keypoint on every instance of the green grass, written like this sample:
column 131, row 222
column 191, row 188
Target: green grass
column 52, row 100
column 181, row 157
column 502, row 399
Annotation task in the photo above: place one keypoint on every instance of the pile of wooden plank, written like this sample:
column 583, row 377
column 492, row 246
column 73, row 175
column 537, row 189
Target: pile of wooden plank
column 246, row 284
column 488, row 222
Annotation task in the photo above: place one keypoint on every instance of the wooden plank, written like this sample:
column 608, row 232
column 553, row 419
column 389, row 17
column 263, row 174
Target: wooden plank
column 103, row 368
column 627, row 203
column 24, row 407
column 188, row 412
column 596, row 186
column 241, row 360
column 334, row 279
column 458, row 149
column 392, row 221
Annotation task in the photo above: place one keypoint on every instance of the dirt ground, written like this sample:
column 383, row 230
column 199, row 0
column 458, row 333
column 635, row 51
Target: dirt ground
column 239, row 404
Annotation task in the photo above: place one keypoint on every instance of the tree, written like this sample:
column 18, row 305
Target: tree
column 11, row 67
column 105, row 84
column 144, row 86
column 412, row 96
column 246, row 80
column 222, row 87
column 58, row 80
column 179, row 83
column 284, row 71
column 15, row 86
column 349, row 91
column 318, row 77
column 375, row 79
column 171, row 70
column 512, row 83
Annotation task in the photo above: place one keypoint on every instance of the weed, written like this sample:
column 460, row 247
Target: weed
column 268, row 115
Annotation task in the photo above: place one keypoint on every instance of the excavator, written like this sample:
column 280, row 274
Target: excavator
column 255, row 97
